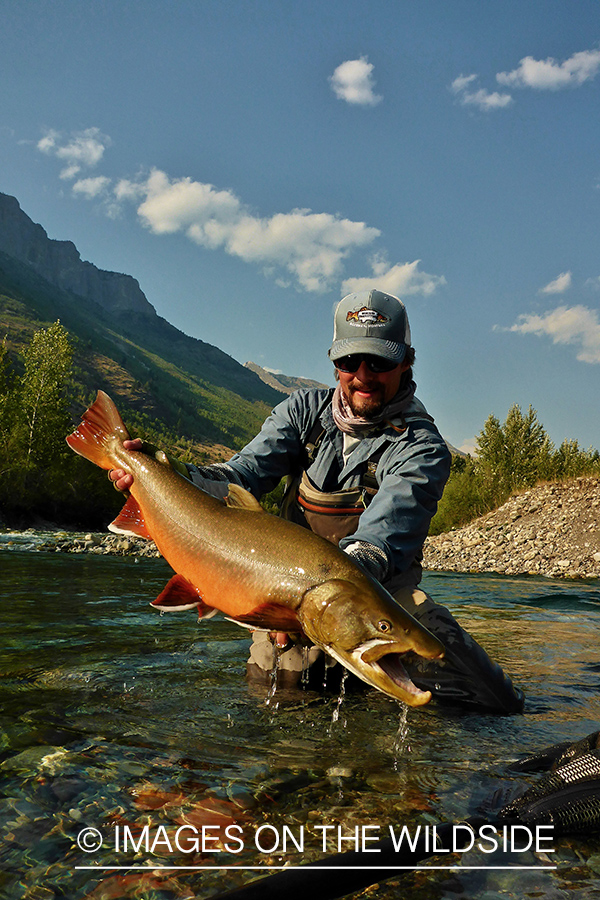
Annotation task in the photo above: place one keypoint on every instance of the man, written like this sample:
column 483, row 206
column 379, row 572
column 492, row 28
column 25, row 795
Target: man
column 365, row 468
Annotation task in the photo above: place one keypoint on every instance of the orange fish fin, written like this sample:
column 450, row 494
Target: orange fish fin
column 272, row 616
column 239, row 498
column 100, row 424
column 130, row 521
column 179, row 594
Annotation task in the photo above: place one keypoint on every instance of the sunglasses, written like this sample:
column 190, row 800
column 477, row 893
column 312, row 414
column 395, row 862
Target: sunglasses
column 375, row 364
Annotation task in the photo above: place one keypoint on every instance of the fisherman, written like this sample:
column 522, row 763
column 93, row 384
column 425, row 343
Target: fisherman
column 365, row 468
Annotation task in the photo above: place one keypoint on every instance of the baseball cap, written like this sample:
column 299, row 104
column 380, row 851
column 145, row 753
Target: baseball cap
column 370, row 322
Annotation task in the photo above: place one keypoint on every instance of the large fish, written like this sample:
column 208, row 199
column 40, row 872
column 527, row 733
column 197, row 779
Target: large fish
column 257, row 569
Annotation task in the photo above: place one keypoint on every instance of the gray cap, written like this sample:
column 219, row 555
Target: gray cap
column 370, row 322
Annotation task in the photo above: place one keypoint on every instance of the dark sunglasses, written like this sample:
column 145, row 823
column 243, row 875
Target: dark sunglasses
column 375, row 364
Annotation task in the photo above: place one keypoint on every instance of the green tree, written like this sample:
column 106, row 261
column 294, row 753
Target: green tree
column 570, row 460
column 34, row 457
column 45, row 419
column 7, row 410
column 514, row 455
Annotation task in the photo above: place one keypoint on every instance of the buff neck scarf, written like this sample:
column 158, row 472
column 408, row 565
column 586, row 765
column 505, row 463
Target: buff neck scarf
column 347, row 422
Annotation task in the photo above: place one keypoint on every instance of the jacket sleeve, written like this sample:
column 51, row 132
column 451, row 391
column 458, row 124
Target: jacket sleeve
column 412, row 479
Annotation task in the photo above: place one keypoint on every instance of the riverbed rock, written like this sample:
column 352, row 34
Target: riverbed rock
column 552, row 529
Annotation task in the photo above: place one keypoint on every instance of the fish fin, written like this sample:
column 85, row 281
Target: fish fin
column 271, row 616
column 239, row 498
column 93, row 437
column 206, row 612
column 130, row 520
column 179, row 594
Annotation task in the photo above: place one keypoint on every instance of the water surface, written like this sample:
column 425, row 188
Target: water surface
column 112, row 716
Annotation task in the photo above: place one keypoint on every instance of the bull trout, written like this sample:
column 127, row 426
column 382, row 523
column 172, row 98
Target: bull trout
column 259, row 570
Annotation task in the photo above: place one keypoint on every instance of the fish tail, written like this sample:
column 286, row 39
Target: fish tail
column 100, row 428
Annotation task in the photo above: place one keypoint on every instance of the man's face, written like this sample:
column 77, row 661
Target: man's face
column 367, row 392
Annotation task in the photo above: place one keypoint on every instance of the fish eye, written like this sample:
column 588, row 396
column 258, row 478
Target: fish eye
column 384, row 626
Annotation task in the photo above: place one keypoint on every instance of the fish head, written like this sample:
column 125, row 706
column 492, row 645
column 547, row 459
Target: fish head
column 364, row 629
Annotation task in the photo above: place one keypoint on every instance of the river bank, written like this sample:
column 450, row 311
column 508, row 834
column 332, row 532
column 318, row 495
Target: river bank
column 551, row 530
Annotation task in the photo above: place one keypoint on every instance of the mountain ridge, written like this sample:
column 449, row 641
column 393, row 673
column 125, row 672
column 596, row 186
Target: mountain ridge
column 281, row 382
column 150, row 366
column 60, row 263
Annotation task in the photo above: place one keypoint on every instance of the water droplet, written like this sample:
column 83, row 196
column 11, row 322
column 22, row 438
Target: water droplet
column 305, row 668
column 336, row 712
column 400, row 741
column 277, row 651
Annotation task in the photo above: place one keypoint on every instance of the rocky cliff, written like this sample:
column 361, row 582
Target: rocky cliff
column 552, row 530
column 60, row 264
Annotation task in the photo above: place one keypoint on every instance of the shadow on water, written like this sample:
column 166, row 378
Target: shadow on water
column 143, row 727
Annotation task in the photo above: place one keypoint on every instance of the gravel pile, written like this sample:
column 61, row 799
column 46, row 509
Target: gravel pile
column 552, row 529
column 73, row 542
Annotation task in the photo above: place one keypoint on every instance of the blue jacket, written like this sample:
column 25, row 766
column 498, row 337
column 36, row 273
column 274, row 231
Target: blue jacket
column 412, row 472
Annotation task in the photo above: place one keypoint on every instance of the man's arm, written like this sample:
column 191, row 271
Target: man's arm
column 393, row 528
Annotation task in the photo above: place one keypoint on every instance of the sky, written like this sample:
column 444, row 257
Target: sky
column 251, row 162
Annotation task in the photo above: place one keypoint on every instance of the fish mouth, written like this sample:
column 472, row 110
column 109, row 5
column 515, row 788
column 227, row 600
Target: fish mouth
column 380, row 665
column 392, row 667
column 386, row 661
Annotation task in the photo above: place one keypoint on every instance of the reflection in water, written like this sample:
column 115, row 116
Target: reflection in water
column 137, row 725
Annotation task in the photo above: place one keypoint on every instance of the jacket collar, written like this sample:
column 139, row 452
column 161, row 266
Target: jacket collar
column 392, row 432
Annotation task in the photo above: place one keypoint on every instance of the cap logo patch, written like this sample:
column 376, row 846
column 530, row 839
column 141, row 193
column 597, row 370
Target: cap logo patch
column 366, row 316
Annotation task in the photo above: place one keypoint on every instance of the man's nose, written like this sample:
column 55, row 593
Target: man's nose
column 363, row 373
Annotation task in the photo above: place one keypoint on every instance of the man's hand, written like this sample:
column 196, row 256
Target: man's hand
column 280, row 639
column 123, row 480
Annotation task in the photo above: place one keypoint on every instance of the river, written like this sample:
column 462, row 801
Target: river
column 117, row 719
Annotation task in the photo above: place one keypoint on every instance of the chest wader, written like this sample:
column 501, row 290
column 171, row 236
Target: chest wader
column 332, row 515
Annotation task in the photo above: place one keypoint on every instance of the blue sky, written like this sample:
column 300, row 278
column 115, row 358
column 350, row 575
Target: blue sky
column 251, row 162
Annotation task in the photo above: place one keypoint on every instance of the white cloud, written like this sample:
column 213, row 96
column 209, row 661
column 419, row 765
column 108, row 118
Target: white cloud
column 82, row 149
column 461, row 83
column 353, row 82
column 559, row 285
column 547, row 74
column 577, row 325
column 48, row 142
column 400, row 279
column 128, row 190
column 308, row 246
column 91, row 187
column 300, row 248
column 481, row 98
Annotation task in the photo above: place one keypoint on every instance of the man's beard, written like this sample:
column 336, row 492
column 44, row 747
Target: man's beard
column 366, row 407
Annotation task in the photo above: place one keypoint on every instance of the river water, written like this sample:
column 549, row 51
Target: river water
column 117, row 719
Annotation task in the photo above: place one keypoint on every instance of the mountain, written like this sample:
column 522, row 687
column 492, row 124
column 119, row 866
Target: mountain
column 153, row 370
column 59, row 263
column 281, row 382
